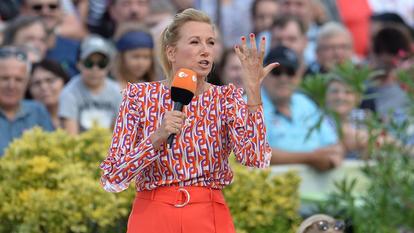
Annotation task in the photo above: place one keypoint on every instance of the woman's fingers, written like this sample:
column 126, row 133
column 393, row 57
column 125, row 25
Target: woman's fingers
column 269, row 68
column 253, row 44
column 262, row 48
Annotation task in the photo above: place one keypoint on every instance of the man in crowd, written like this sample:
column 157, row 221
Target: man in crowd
column 290, row 117
column 16, row 114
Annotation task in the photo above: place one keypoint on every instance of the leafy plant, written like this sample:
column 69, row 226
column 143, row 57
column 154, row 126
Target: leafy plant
column 263, row 203
column 49, row 183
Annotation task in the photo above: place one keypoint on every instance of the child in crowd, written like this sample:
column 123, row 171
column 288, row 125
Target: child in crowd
column 91, row 97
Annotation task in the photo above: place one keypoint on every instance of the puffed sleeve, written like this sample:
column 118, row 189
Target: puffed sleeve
column 247, row 131
column 129, row 152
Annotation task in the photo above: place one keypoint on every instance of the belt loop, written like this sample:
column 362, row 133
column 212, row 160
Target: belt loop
column 153, row 194
column 211, row 194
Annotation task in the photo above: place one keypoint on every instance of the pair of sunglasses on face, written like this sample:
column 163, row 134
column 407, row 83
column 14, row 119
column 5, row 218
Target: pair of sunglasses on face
column 39, row 7
column 324, row 225
column 101, row 64
column 7, row 52
column 288, row 71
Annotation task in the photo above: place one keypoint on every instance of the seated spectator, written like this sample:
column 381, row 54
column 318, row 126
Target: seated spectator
column 321, row 223
column 16, row 114
column 135, row 61
column 91, row 97
column 230, row 69
column 290, row 116
column 343, row 101
column 333, row 47
column 45, row 85
column 60, row 48
column 28, row 32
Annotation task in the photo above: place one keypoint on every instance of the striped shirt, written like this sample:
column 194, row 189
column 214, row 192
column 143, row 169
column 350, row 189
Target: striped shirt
column 218, row 123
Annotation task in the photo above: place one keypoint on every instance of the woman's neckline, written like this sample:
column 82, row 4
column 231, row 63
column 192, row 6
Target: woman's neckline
column 206, row 91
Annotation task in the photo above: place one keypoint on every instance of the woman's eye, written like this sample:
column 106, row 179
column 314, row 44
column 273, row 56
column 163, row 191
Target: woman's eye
column 212, row 43
column 194, row 42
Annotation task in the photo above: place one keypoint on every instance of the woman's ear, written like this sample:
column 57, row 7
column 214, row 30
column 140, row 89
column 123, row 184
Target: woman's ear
column 170, row 51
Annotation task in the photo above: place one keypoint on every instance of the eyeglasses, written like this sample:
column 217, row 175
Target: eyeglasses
column 289, row 71
column 324, row 225
column 89, row 64
column 7, row 52
column 49, row 81
column 39, row 7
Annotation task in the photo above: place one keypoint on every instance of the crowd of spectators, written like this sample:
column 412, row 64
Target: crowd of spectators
column 64, row 63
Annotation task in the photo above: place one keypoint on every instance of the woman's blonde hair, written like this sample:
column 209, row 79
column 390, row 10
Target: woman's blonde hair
column 171, row 35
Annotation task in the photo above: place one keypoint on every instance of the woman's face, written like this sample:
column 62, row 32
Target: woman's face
column 194, row 49
column 45, row 87
column 138, row 61
column 340, row 98
column 232, row 71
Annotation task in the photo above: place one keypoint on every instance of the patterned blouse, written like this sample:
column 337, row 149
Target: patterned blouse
column 218, row 123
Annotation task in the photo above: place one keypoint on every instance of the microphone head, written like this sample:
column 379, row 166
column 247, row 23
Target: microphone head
column 183, row 86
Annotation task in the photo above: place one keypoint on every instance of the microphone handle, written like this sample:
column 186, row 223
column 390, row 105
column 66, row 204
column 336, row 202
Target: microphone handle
column 179, row 107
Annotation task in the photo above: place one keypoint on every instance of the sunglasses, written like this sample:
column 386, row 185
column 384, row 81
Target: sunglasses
column 89, row 64
column 39, row 7
column 7, row 52
column 289, row 71
column 324, row 225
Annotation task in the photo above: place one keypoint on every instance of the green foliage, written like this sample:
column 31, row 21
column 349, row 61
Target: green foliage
column 48, row 183
column 387, row 206
column 263, row 203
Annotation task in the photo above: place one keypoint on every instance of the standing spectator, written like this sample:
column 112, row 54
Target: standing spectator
column 388, row 44
column 135, row 61
column 30, row 33
column 90, row 97
column 290, row 32
column 263, row 13
column 16, row 114
column 232, row 19
column 46, row 84
column 333, row 47
column 60, row 48
column 117, row 13
column 303, row 10
column 289, row 117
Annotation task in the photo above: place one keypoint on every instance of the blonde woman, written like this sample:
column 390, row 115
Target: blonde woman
column 179, row 188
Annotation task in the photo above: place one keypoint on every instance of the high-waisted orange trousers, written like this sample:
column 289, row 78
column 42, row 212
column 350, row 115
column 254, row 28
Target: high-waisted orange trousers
column 180, row 210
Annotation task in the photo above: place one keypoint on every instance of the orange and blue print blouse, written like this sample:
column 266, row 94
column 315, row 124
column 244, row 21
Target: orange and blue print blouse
column 218, row 123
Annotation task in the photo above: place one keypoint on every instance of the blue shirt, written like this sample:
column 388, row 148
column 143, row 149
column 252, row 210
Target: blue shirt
column 65, row 52
column 30, row 114
column 291, row 133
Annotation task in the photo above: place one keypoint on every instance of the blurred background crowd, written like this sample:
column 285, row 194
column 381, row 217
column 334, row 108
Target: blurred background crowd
column 64, row 63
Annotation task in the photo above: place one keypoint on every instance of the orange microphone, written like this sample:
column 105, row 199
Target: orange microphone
column 183, row 88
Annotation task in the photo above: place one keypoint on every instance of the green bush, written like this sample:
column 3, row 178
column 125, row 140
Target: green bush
column 49, row 183
column 263, row 203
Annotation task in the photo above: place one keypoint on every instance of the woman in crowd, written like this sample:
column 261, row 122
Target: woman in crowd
column 45, row 85
column 179, row 188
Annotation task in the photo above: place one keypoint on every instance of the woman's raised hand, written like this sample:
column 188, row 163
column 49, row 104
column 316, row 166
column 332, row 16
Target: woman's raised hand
column 251, row 59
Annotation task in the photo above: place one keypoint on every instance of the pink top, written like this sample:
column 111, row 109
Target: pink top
column 218, row 123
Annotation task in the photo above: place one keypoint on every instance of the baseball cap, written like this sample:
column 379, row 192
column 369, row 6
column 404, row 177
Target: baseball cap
column 285, row 56
column 96, row 44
